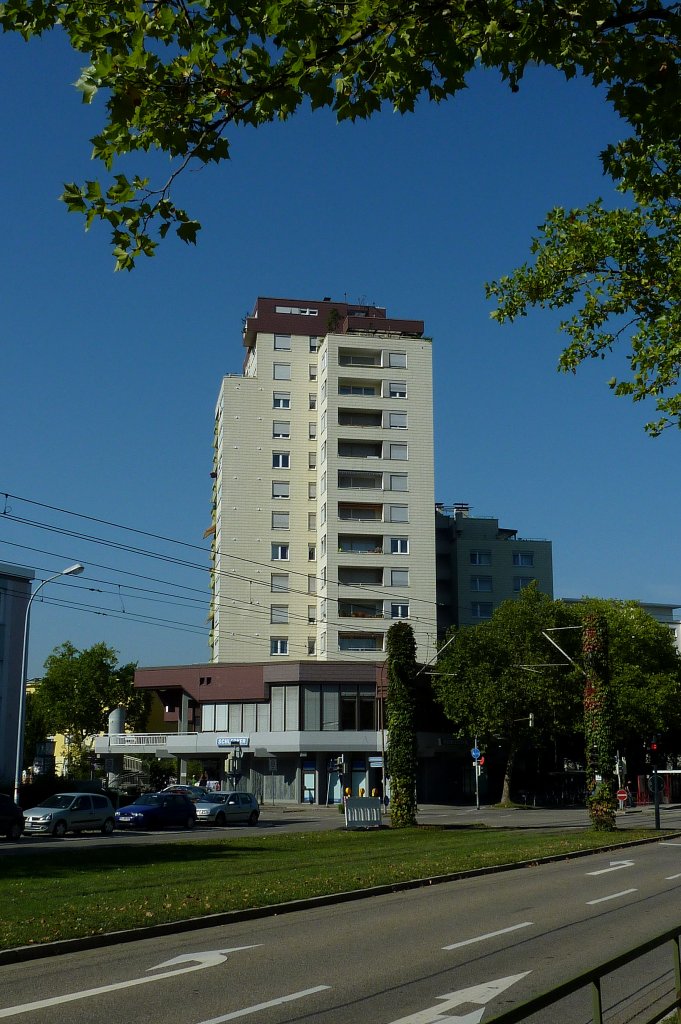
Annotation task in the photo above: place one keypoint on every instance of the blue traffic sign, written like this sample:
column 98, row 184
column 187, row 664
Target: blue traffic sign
column 475, row 753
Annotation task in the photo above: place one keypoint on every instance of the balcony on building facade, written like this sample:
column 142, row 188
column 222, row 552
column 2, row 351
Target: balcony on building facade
column 360, row 544
column 360, row 609
column 359, row 480
column 359, row 357
column 360, row 449
column 367, row 642
column 360, row 512
column 360, row 418
column 360, row 575
column 355, row 388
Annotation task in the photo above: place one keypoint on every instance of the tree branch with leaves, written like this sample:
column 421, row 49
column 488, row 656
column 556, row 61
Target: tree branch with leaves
column 176, row 77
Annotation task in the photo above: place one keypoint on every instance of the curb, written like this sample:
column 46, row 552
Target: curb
column 23, row 954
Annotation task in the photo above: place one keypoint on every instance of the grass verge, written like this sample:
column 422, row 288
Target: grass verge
column 67, row 894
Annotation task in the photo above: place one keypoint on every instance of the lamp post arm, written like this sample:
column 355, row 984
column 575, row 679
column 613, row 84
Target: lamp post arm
column 71, row 570
column 22, row 687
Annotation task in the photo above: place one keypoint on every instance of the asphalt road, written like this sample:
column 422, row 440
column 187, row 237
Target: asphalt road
column 460, row 951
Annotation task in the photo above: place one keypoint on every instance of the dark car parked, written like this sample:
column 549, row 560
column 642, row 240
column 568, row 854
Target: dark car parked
column 157, row 810
column 11, row 818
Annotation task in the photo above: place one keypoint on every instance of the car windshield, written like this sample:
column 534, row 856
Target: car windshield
column 214, row 798
column 60, row 800
column 153, row 798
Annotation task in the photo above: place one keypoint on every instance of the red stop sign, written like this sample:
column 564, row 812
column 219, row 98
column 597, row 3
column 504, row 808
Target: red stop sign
column 621, row 794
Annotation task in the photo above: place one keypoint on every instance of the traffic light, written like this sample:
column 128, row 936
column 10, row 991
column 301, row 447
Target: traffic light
column 653, row 750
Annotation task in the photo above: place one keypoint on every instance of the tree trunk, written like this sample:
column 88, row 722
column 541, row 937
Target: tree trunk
column 508, row 774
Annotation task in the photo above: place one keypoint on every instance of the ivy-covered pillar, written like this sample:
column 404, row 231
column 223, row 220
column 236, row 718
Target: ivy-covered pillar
column 401, row 649
column 600, row 752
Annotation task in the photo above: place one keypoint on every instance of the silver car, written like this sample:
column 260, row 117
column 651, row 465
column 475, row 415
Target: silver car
column 70, row 812
column 224, row 808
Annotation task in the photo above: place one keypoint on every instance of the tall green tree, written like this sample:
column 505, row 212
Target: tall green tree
column 598, row 723
column 494, row 675
column 401, row 722
column 645, row 674
column 177, row 76
column 80, row 689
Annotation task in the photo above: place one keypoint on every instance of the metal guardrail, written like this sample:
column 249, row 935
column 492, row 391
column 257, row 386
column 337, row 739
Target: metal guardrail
column 593, row 978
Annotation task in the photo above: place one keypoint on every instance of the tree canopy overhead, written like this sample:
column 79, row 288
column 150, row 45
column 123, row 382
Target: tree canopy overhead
column 177, row 76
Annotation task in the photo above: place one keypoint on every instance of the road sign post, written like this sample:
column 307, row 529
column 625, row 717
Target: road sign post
column 475, row 754
column 622, row 797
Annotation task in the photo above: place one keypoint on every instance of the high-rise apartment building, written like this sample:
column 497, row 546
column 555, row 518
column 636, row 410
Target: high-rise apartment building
column 323, row 486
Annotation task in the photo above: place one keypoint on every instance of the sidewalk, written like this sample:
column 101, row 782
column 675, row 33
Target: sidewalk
column 496, row 817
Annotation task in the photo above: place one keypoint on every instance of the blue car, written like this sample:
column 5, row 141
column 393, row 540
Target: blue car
column 157, row 810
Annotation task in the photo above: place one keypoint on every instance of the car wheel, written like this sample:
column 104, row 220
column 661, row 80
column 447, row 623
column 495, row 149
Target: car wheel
column 108, row 827
column 59, row 829
column 191, row 821
column 14, row 831
column 253, row 818
column 220, row 820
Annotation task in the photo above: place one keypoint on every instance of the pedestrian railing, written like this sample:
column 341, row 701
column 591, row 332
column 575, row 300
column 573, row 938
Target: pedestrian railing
column 666, row 1005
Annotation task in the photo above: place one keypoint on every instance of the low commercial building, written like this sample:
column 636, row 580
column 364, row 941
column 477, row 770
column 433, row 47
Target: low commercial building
column 299, row 731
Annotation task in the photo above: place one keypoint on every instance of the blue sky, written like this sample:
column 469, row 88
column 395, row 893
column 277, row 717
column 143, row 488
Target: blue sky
column 109, row 381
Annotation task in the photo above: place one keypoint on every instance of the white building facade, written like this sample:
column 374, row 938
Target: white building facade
column 323, row 493
column 323, row 537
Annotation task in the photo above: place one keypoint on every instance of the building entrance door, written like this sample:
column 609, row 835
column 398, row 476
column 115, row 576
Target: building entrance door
column 309, row 787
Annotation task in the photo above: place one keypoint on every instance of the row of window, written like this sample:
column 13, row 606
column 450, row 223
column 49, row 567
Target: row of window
column 373, row 450
column 282, row 428
column 348, row 417
column 279, row 613
column 485, row 584
column 282, row 342
column 352, row 576
column 384, row 389
column 365, row 513
column 361, row 480
column 313, row 707
column 298, row 310
column 484, row 557
column 279, row 583
column 279, row 645
column 347, row 576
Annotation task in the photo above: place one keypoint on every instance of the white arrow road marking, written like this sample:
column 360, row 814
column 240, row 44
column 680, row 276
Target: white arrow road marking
column 265, row 1006
column 489, row 935
column 476, row 994
column 615, row 865
column 197, row 962
column 670, row 878
column 614, row 896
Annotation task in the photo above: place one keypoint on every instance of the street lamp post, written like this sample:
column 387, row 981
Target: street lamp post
column 71, row 570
